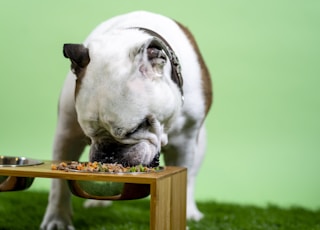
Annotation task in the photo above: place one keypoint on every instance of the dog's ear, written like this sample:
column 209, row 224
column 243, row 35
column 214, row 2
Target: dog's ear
column 154, row 59
column 78, row 55
column 156, row 54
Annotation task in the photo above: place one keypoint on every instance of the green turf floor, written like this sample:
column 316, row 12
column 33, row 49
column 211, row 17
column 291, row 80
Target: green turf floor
column 24, row 210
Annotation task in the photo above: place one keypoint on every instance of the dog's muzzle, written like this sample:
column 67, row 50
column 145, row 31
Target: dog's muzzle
column 128, row 155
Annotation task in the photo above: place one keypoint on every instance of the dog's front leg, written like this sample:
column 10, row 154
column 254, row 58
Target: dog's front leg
column 59, row 210
column 68, row 145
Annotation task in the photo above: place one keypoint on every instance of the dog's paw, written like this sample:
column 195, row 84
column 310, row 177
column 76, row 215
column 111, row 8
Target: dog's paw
column 194, row 214
column 55, row 221
column 97, row 203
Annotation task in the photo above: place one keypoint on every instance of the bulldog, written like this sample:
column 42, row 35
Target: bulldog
column 138, row 86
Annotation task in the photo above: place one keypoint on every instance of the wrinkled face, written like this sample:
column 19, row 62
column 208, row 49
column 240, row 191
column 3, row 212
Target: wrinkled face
column 125, row 99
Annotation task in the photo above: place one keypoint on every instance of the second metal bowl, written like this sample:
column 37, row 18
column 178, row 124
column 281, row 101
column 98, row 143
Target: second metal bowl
column 106, row 190
column 14, row 183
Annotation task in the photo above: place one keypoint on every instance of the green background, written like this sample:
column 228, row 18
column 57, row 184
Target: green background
column 264, row 128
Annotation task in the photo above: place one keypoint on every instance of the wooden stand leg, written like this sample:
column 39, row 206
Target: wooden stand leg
column 168, row 202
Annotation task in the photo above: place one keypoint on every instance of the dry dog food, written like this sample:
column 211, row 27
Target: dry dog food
column 101, row 167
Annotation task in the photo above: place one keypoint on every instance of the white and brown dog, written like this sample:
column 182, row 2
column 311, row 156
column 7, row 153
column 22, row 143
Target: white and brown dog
column 137, row 86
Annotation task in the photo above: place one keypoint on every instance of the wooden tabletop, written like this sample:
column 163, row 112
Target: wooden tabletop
column 44, row 170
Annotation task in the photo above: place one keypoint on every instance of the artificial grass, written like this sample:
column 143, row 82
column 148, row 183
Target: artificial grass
column 24, row 210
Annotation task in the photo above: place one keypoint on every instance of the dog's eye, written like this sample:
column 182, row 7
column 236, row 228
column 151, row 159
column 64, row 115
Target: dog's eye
column 143, row 125
column 132, row 131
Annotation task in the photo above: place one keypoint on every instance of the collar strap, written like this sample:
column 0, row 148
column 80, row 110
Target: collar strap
column 176, row 75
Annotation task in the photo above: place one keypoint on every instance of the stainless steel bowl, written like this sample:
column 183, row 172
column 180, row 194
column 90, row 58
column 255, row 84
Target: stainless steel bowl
column 8, row 161
column 106, row 190
column 14, row 183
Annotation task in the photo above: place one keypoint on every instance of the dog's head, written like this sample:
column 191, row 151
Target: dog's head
column 125, row 98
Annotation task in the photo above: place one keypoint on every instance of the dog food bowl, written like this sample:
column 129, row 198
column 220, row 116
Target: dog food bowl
column 107, row 190
column 14, row 183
